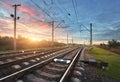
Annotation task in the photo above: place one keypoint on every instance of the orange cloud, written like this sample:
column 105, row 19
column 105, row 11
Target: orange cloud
column 29, row 24
column 43, row 24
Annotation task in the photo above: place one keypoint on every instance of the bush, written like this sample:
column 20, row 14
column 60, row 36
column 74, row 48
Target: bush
column 114, row 44
column 6, row 43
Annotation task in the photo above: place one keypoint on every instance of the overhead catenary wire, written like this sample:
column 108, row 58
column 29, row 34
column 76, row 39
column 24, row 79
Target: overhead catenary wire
column 41, row 9
column 63, row 10
column 65, row 15
column 37, row 5
column 49, row 11
column 45, row 2
column 75, row 9
column 85, row 27
column 46, row 12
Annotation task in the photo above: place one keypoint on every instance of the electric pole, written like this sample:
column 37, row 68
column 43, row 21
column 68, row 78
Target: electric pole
column 15, row 18
column 80, row 36
column 72, row 40
column 67, row 38
column 90, row 34
column 80, row 33
column 52, row 33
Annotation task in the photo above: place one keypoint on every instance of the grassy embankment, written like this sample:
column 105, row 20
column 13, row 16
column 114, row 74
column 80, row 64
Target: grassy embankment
column 112, row 58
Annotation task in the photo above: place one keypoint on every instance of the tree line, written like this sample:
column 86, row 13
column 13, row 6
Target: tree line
column 6, row 43
column 112, row 44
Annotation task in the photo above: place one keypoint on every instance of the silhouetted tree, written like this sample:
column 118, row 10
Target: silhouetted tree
column 102, row 44
column 114, row 43
column 6, row 43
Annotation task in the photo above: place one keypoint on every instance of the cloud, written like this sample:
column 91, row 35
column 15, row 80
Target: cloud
column 6, row 27
column 115, row 25
column 33, row 22
column 6, row 5
column 27, row 10
column 107, row 34
column 107, row 17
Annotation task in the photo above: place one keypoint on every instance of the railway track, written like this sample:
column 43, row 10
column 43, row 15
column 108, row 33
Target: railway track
column 20, row 52
column 22, row 61
column 23, row 53
column 9, row 59
column 14, row 69
column 42, row 68
column 55, row 71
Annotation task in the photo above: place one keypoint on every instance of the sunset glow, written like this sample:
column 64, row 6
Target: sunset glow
column 35, row 20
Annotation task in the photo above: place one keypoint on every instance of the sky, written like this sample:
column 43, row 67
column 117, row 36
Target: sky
column 69, row 16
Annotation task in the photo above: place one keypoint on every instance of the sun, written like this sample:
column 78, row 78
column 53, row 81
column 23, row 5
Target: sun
column 35, row 39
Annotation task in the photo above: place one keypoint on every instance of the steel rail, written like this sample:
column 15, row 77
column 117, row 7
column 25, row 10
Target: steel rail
column 6, row 78
column 64, row 76
column 4, row 56
column 28, row 58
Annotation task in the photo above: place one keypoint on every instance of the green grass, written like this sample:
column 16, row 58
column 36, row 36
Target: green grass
column 113, row 60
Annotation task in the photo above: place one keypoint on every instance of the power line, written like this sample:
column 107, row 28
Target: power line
column 84, row 27
column 52, row 23
column 66, row 16
column 52, row 12
column 75, row 9
column 45, row 2
column 41, row 9
column 65, row 9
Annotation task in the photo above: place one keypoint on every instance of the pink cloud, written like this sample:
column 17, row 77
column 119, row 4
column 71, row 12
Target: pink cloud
column 32, row 11
column 29, row 10
column 27, row 20
column 37, row 23
column 22, row 8
column 7, row 5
